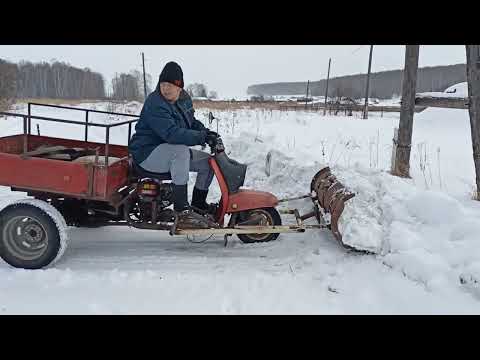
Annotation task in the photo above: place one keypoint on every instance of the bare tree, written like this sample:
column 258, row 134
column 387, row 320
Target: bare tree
column 58, row 80
column 8, row 77
column 127, row 86
column 197, row 90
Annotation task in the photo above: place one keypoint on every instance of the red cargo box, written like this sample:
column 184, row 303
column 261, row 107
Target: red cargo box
column 69, row 178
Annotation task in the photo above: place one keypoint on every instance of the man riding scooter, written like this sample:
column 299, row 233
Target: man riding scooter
column 161, row 144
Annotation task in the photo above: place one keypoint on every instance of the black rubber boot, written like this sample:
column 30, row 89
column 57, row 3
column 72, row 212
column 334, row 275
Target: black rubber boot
column 187, row 217
column 180, row 197
column 199, row 198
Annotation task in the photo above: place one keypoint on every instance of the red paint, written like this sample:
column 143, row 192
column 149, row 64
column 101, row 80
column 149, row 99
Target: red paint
column 222, row 209
column 243, row 199
column 44, row 175
column 11, row 144
column 250, row 199
column 57, row 176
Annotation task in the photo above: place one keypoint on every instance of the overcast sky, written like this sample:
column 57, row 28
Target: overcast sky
column 230, row 69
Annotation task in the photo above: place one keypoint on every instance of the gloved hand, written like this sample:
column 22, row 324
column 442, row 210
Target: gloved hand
column 211, row 139
column 212, row 133
column 219, row 147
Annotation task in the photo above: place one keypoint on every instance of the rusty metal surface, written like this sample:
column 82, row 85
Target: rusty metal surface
column 331, row 195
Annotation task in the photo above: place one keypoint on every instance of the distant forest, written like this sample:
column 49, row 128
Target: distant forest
column 383, row 85
column 62, row 81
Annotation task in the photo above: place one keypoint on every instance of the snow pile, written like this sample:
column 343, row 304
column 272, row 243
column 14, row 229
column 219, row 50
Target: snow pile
column 460, row 90
column 455, row 91
column 407, row 225
column 429, row 236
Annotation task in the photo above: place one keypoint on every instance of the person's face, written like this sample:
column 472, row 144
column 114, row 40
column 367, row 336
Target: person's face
column 169, row 91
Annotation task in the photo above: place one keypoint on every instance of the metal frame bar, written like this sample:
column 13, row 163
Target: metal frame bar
column 25, row 135
column 87, row 123
column 27, row 119
column 82, row 109
column 53, row 119
column 86, row 126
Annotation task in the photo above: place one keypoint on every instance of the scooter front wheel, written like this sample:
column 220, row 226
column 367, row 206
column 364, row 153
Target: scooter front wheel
column 267, row 217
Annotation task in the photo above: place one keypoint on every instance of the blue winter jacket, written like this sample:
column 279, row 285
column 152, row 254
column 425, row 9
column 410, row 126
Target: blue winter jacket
column 162, row 122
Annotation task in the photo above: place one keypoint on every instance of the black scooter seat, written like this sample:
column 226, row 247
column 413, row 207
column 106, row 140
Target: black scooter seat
column 139, row 172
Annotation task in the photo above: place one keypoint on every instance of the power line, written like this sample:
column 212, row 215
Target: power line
column 354, row 51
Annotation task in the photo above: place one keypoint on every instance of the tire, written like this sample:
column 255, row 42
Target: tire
column 272, row 218
column 29, row 237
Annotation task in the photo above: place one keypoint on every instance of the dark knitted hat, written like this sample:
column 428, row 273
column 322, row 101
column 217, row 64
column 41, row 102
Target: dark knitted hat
column 172, row 73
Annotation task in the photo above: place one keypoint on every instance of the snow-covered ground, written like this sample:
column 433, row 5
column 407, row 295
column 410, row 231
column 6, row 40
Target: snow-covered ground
column 424, row 230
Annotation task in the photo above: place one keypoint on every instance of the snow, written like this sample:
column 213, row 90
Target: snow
column 439, row 95
column 461, row 89
column 454, row 91
column 423, row 230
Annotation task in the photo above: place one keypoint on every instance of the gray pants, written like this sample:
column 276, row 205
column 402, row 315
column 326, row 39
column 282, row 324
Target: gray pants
column 176, row 160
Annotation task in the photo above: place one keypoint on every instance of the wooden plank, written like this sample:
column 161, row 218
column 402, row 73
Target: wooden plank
column 247, row 229
column 402, row 153
column 441, row 102
column 43, row 150
column 367, row 91
column 473, row 77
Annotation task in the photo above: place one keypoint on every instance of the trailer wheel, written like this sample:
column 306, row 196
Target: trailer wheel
column 29, row 237
column 270, row 217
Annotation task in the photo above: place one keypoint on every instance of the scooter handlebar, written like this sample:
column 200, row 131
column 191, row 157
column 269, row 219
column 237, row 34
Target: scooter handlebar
column 217, row 146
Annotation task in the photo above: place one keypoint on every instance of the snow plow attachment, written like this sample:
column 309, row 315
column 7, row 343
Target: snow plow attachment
column 329, row 196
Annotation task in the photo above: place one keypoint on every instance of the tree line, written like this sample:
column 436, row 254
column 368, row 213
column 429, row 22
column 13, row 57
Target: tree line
column 59, row 80
column 7, row 84
column 383, row 85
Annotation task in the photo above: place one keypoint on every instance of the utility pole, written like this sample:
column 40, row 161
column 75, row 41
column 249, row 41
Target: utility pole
column 402, row 145
column 326, row 91
column 144, row 78
column 473, row 79
column 365, row 111
column 306, row 98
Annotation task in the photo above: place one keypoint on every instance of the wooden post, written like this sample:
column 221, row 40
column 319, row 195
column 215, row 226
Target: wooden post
column 306, row 98
column 367, row 90
column 403, row 146
column 394, row 150
column 326, row 90
column 473, row 79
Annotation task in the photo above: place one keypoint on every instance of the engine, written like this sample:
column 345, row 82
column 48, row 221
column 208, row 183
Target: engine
column 150, row 190
column 148, row 209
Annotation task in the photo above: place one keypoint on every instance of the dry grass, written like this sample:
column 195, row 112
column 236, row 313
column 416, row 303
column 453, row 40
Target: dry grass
column 235, row 105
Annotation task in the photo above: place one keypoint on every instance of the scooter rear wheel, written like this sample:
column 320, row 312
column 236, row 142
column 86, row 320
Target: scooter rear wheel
column 269, row 217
